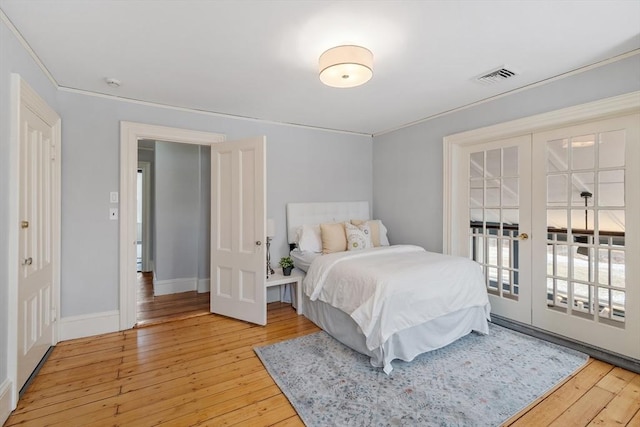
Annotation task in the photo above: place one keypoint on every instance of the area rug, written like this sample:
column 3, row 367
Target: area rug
column 479, row 380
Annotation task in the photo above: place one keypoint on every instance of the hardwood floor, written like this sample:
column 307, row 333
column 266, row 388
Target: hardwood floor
column 152, row 309
column 203, row 370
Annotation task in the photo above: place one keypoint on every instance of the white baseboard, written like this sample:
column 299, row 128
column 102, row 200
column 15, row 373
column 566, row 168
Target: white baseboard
column 87, row 325
column 5, row 401
column 174, row 286
column 204, row 285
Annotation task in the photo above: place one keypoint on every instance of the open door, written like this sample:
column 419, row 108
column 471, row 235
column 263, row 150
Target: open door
column 238, row 194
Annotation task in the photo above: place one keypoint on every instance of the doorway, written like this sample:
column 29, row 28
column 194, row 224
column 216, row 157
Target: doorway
column 172, row 250
column 131, row 134
column 143, row 217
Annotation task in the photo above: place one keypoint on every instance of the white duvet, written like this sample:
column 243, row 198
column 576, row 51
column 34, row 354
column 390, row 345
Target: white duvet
column 388, row 289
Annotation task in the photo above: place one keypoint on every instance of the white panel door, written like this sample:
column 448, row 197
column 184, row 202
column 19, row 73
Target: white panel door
column 495, row 189
column 238, row 217
column 36, row 298
column 587, row 209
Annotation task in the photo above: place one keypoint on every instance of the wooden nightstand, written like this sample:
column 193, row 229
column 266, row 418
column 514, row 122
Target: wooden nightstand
column 278, row 279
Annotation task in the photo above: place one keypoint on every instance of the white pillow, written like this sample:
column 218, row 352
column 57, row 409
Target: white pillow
column 384, row 240
column 358, row 236
column 309, row 238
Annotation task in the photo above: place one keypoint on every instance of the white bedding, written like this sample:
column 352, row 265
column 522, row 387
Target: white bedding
column 386, row 290
column 303, row 259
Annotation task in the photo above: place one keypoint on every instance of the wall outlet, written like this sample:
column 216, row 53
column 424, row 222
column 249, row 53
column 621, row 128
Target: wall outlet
column 113, row 214
column 113, row 197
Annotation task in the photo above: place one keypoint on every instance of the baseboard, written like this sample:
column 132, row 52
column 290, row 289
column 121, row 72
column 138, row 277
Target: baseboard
column 204, row 285
column 624, row 362
column 5, row 401
column 174, row 286
column 87, row 325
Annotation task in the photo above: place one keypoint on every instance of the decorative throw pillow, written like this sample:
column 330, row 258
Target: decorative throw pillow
column 374, row 225
column 358, row 237
column 333, row 238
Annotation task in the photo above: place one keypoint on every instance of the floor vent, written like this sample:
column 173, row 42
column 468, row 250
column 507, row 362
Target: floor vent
column 496, row 76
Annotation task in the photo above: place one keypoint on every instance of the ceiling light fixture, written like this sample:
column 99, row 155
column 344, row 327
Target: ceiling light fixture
column 346, row 66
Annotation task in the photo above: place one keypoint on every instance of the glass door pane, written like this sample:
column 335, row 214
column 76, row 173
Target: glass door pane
column 586, row 204
column 586, row 226
column 495, row 183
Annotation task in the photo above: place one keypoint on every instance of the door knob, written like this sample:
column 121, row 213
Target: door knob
column 523, row 236
column 258, row 243
column 27, row 261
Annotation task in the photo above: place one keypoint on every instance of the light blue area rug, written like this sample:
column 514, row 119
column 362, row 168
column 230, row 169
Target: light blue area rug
column 476, row 381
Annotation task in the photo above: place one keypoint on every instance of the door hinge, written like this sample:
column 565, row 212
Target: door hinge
column 53, row 315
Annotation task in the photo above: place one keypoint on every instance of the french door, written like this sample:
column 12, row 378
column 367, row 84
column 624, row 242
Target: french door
column 586, row 189
column 554, row 219
column 497, row 184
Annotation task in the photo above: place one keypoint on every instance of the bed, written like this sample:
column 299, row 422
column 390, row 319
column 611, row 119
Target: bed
column 387, row 302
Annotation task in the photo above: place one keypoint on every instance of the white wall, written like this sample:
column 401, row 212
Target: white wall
column 407, row 164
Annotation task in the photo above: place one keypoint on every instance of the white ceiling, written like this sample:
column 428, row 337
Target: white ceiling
column 259, row 59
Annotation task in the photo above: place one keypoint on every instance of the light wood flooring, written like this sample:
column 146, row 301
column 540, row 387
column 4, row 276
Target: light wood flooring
column 203, row 370
column 163, row 308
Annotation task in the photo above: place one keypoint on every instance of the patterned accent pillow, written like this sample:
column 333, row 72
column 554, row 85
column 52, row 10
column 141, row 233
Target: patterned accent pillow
column 358, row 237
column 378, row 231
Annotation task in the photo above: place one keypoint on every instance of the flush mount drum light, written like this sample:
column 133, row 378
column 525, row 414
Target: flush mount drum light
column 346, row 66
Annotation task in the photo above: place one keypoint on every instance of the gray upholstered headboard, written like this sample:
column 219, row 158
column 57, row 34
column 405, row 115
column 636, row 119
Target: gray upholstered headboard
column 317, row 213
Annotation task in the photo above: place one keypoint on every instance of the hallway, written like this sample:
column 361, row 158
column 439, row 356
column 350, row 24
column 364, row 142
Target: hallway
column 163, row 308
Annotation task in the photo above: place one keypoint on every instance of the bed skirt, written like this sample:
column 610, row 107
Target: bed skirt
column 404, row 345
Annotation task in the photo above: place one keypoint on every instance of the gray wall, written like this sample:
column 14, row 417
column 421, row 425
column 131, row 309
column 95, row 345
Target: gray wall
column 204, row 235
column 303, row 165
column 407, row 164
column 177, row 202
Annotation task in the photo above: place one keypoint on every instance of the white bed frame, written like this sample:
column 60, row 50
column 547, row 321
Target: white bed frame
column 299, row 214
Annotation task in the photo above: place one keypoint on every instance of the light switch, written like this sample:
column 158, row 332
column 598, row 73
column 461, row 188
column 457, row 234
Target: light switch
column 113, row 214
column 113, row 197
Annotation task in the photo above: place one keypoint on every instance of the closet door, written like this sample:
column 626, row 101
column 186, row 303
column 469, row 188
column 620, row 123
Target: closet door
column 496, row 181
column 586, row 275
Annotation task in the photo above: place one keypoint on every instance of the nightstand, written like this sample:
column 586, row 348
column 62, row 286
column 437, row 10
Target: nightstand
column 278, row 279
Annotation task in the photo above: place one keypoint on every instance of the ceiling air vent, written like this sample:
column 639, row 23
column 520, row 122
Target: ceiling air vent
column 496, row 76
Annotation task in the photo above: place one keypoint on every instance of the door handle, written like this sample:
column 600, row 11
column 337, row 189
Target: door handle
column 523, row 236
column 27, row 261
column 258, row 243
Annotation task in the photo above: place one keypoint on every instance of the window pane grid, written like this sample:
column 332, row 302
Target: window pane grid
column 493, row 202
column 585, row 245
